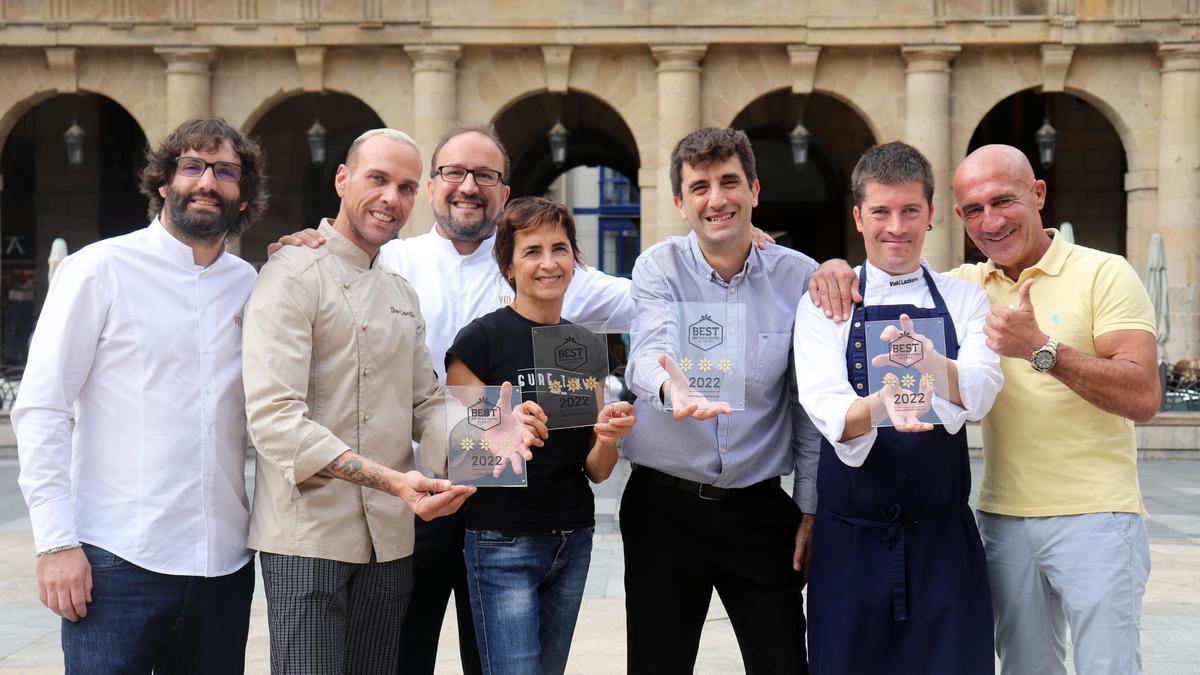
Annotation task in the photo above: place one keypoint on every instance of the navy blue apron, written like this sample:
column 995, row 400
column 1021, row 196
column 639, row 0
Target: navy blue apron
column 898, row 580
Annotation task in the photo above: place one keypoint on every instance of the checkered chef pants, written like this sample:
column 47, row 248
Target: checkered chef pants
column 328, row 617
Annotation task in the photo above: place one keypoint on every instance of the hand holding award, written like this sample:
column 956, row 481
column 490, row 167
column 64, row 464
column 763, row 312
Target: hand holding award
column 908, row 366
column 614, row 422
column 682, row 400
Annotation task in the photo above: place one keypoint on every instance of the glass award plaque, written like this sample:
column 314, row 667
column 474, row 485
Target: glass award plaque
column 711, row 338
column 484, row 437
column 570, row 365
column 907, row 367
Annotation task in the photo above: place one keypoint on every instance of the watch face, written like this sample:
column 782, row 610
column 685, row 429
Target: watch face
column 1043, row 360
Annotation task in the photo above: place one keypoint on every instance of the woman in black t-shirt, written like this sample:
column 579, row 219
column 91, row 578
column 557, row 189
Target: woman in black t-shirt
column 528, row 549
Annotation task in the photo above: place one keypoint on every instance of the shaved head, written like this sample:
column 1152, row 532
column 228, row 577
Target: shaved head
column 992, row 160
column 999, row 200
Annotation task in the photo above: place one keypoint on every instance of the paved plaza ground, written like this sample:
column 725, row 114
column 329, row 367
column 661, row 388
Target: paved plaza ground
column 1170, row 627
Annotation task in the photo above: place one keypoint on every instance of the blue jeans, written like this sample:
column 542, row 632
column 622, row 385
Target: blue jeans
column 140, row 620
column 525, row 595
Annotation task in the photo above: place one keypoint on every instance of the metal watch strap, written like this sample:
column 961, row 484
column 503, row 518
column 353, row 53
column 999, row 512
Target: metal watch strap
column 1051, row 346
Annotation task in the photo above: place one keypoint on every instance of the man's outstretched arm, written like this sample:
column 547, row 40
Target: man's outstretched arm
column 429, row 498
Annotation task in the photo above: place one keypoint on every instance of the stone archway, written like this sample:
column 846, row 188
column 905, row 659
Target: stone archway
column 1087, row 178
column 598, row 137
column 599, row 178
column 301, row 192
column 808, row 209
column 45, row 198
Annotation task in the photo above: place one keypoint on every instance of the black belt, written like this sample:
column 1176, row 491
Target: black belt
column 702, row 490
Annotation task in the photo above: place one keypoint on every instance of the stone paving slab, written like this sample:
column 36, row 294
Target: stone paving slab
column 1170, row 629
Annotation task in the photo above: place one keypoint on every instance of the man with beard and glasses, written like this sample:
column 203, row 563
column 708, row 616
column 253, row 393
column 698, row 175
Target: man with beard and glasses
column 140, row 513
column 452, row 269
column 339, row 382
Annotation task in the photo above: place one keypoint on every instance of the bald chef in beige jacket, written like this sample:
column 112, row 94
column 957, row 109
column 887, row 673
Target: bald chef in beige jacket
column 338, row 384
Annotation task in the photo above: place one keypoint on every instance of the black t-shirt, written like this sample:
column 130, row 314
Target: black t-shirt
column 498, row 348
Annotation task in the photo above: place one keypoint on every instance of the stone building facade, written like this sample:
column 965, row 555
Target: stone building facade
column 1118, row 79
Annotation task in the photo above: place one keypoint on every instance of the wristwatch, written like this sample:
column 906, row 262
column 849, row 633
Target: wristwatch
column 1044, row 358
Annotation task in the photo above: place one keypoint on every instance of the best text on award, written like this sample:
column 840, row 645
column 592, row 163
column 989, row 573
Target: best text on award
column 485, row 437
column 571, row 364
column 906, row 368
column 711, row 338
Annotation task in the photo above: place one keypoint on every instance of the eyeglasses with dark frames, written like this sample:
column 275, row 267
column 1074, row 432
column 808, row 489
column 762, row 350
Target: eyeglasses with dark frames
column 458, row 174
column 194, row 167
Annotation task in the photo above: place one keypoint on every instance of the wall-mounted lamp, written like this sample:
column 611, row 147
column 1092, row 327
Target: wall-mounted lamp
column 558, row 136
column 74, row 138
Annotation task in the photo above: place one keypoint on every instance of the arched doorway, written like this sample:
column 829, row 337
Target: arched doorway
column 597, row 179
column 1086, row 180
column 808, row 208
column 46, row 197
column 302, row 191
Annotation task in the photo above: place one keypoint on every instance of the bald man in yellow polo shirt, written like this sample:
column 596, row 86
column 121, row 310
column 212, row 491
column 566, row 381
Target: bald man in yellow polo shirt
column 1060, row 511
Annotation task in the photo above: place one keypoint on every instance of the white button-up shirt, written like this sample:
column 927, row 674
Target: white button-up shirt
column 142, row 348
column 456, row 289
column 820, row 353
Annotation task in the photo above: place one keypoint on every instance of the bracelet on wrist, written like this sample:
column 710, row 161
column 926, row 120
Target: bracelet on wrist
column 57, row 549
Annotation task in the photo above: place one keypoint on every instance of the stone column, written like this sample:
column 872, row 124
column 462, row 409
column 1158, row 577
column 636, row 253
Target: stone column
column 1179, row 192
column 647, row 178
column 435, row 111
column 1141, row 206
column 189, row 94
column 927, row 127
column 189, row 79
column 678, row 116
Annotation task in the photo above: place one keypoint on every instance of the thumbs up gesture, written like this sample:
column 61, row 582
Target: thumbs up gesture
column 1013, row 331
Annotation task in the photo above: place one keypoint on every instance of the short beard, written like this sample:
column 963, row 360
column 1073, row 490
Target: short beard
column 464, row 232
column 472, row 234
column 203, row 228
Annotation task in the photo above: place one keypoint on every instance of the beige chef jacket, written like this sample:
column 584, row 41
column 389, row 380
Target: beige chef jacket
column 334, row 359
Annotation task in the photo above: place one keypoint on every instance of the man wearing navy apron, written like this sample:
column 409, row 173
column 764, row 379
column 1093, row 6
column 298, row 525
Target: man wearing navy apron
column 897, row 581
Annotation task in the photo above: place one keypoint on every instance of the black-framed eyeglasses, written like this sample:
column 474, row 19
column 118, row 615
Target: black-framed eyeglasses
column 194, row 167
column 458, row 174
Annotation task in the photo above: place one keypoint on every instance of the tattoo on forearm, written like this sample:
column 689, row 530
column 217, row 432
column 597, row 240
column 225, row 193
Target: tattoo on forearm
column 352, row 467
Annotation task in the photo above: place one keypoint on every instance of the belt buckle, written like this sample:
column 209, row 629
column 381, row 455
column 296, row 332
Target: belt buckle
column 701, row 494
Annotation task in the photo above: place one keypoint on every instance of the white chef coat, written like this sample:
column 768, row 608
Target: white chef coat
column 143, row 349
column 819, row 346
column 455, row 289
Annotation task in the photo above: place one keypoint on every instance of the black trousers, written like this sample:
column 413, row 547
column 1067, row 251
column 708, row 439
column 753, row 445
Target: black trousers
column 679, row 547
column 438, row 568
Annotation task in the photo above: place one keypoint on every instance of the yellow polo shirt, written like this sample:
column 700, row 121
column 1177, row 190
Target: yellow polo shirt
column 1047, row 451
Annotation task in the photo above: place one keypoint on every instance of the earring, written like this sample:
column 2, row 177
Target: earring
column 929, row 227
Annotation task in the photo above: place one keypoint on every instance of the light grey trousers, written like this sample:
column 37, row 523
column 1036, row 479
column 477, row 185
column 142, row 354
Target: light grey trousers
column 1086, row 572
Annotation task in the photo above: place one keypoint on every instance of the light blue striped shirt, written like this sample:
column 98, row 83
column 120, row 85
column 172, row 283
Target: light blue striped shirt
column 772, row 436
